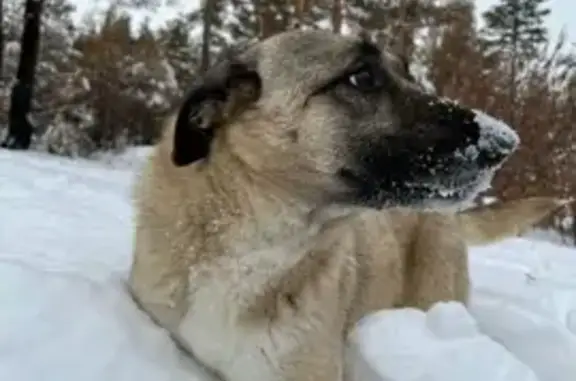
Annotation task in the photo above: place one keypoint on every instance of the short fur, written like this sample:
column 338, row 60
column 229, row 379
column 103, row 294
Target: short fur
column 260, row 238
column 435, row 244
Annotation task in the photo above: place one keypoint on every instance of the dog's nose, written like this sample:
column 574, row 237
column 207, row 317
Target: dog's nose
column 452, row 128
column 492, row 157
column 494, row 135
column 496, row 140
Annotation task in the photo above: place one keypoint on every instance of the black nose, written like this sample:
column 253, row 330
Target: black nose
column 497, row 140
column 473, row 130
column 444, row 124
column 507, row 143
column 492, row 157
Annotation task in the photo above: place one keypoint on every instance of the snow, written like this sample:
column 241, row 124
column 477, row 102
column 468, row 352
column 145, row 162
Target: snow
column 443, row 344
column 521, row 324
column 495, row 132
column 65, row 243
column 560, row 238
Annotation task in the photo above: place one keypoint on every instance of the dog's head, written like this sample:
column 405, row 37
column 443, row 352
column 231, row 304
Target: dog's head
column 342, row 114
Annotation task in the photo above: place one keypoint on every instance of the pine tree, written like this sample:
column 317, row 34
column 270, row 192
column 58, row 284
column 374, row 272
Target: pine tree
column 398, row 21
column 259, row 19
column 247, row 26
column 181, row 52
column 239, row 22
column 207, row 29
column 516, row 26
column 515, row 30
column 456, row 55
column 1, row 42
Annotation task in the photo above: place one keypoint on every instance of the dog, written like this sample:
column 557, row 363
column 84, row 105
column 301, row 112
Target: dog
column 276, row 209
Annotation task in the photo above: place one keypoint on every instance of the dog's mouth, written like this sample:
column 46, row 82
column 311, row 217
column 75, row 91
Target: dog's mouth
column 426, row 170
column 439, row 193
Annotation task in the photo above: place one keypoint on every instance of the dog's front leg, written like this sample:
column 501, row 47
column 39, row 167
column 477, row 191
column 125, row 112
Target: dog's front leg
column 438, row 264
column 297, row 326
column 380, row 264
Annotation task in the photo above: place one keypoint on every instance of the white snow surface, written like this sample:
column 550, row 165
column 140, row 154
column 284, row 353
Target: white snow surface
column 65, row 247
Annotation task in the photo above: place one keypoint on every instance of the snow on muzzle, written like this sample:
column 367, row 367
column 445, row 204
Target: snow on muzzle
column 497, row 140
column 439, row 134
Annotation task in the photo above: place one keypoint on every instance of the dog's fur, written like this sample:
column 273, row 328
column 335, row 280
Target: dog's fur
column 260, row 238
column 434, row 244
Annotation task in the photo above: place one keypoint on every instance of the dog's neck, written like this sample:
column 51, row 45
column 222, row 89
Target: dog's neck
column 259, row 212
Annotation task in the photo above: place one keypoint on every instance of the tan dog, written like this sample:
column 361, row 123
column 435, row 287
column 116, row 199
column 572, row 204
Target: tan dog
column 259, row 242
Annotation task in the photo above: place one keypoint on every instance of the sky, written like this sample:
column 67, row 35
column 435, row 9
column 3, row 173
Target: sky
column 563, row 13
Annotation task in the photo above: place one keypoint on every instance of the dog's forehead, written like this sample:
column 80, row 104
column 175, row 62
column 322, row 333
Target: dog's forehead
column 304, row 58
column 305, row 43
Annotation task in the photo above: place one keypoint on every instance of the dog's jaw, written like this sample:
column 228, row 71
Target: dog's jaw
column 457, row 197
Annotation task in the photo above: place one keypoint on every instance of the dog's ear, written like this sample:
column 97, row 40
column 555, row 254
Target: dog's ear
column 216, row 97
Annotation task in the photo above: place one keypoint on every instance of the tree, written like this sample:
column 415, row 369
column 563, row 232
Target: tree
column 337, row 16
column 129, row 82
column 259, row 19
column 516, row 29
column 206, row 29
column 182, row 53
column 400, row 20
column 1, row 42
column 208, row 12
column 455, row 61
column 517, row 26
column 54, row 69
column 20, row 127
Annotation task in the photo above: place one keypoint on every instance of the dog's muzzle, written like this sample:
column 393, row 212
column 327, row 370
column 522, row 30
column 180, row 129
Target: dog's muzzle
column 443, row 152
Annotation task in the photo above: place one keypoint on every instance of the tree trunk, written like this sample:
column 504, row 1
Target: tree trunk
column 513, row 63
column 337, row 16
column 207, row 18
column 20, row 128
column 265, row 24
column 300, row 9
column 1, row 41
column 404, row 21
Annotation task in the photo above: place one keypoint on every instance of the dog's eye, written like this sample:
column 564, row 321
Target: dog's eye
column 365, row 79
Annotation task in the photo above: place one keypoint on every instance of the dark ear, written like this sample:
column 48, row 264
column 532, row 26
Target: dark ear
column 216, row 97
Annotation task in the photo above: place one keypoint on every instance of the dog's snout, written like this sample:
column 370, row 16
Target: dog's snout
column 491, row 158
column 445, row 125
column 495, row 135
column 457, row 120
column 452, row 127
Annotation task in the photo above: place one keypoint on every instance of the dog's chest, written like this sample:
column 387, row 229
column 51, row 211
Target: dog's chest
column 218, row 294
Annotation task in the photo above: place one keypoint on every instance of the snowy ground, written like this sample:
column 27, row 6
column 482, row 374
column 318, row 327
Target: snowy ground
column 65, row 315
